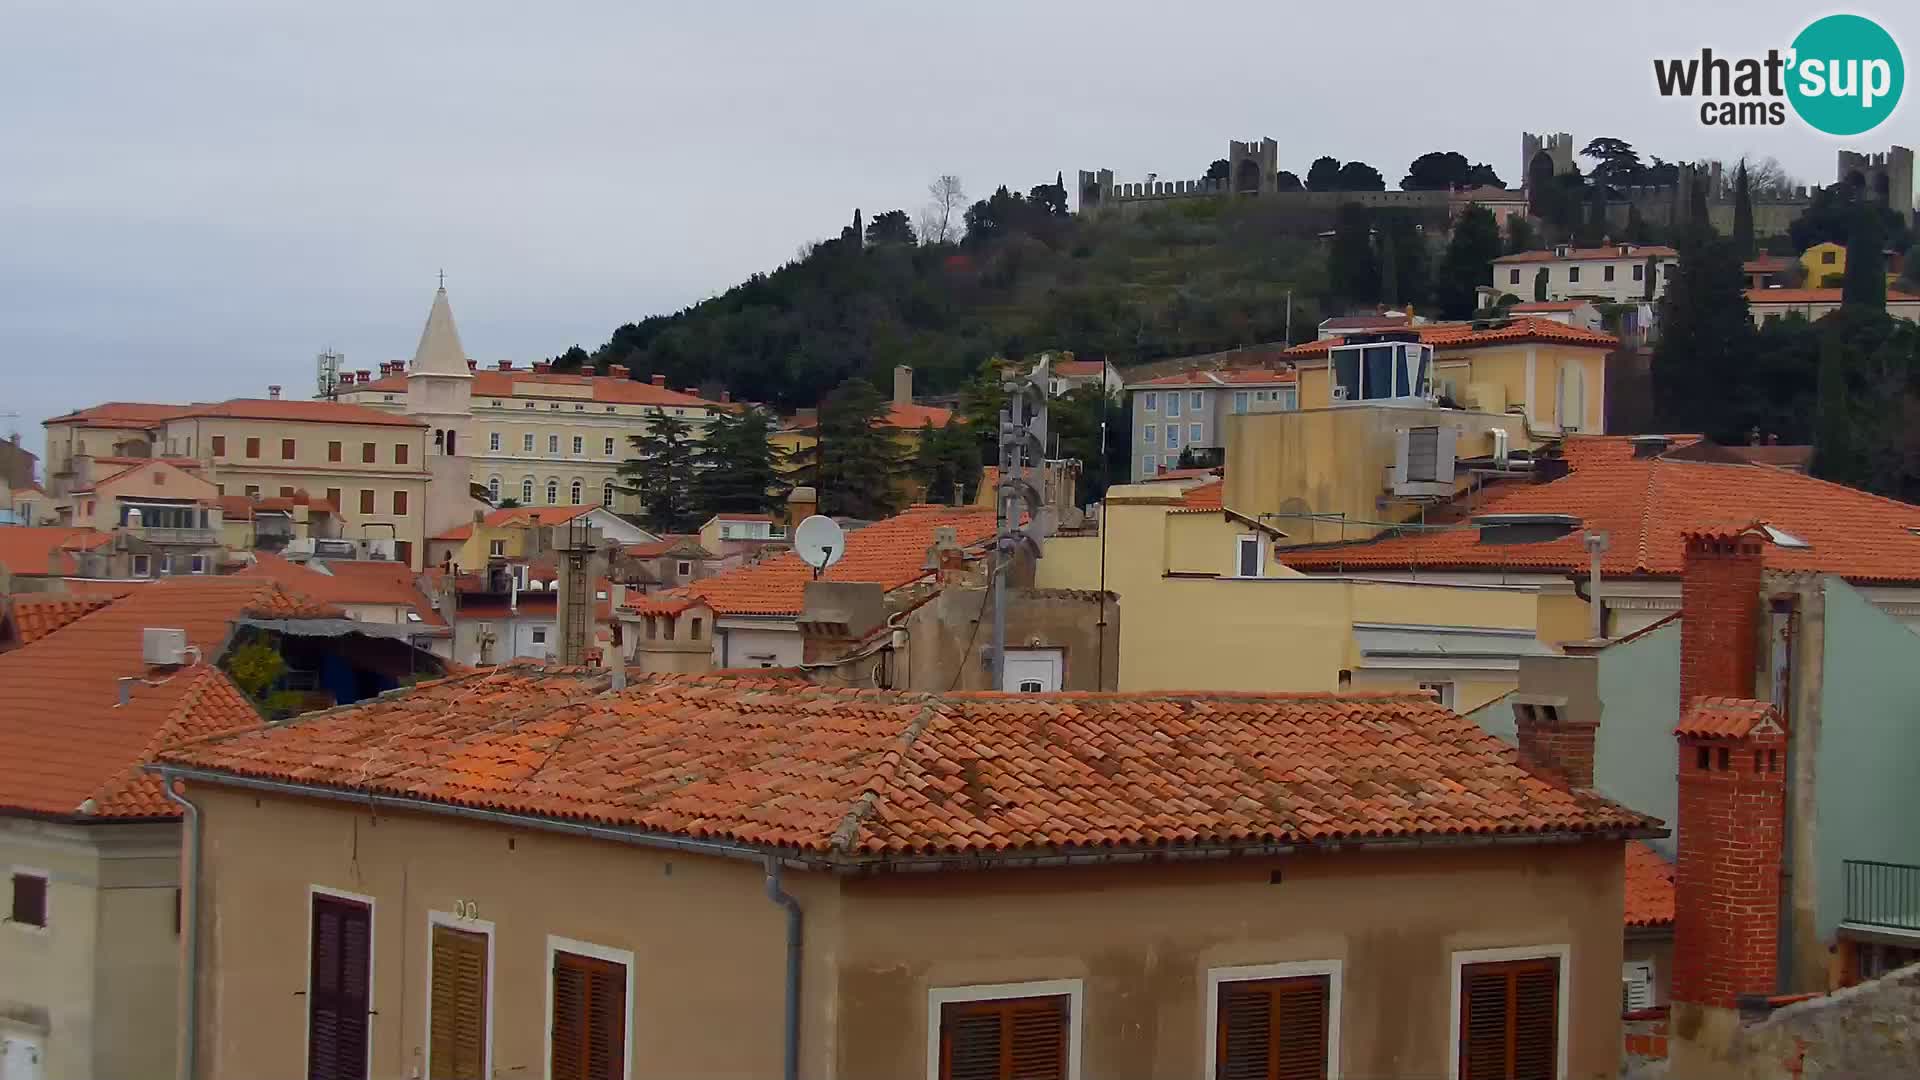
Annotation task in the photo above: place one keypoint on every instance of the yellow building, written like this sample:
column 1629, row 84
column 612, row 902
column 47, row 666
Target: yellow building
column 1825, row 265
column 1209, row 606
column 517, row 534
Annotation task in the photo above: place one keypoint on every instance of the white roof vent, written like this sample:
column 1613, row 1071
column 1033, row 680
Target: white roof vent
column 161, row 647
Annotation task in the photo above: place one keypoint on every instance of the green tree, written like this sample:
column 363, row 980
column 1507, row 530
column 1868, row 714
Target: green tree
column 1468, row 261
column 1074, row 419
column 1520, row 234
column 1706, row 340
column 1353, row 277
column 856, row 459
column 947, row 458
column 1436, row 170
column 1615, row 161
column 1286, row 181
column 981, row 400
column 573, row 359
column 1324, row 174
column 1389, row 270
column 1219, row 170
column 1360, row 176
column 1837, row 456
column 1638, row 231
column 1866, row 274
column 1540, row 285
column 890, row 227
column 1742, row 212
column 1699, row 221
column 736, row 468
column 1829, row 218
column 661, row 472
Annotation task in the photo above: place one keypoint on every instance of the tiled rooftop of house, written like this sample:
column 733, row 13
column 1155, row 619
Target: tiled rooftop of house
column 1203, row 497
column 138, row 414
column 1725, row 718
column 1817, row 296
column 857, row 776
column 71, row 748
column 1460, row 335
column 348, row 581
column 35, row 549
column 1077, row 369
column 1224, row 378
column 520, row 516
column 606, row 389
column 1649, row 886
column 1612, row 251
column 1645, row 504
column 914, row 417
column 328, row 412
column 35, row 615
column 892, row 552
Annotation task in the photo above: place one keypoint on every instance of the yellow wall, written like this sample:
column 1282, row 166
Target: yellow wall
column 1813, row 261
column 1493, row 377
column 1281, row 632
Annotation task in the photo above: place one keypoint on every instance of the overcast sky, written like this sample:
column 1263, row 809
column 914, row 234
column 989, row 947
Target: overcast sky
column 197, row 196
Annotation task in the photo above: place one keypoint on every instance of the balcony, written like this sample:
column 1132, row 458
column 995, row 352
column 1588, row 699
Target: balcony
column 1884, row 896
column 174, row 537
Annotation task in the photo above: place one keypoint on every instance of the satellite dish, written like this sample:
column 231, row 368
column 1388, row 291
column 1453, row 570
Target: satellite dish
column 819, row 542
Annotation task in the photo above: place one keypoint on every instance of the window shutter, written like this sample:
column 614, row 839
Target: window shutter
column 1423, row 455
column 1535, row 1024
column 1509, row 1020
column 589, row 1018
column 1013, row 1039
column 1273, row 1029
column 338, row 989
column 459, row 1031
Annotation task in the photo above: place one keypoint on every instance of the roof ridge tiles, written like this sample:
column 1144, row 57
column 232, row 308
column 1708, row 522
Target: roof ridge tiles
column 850, row 826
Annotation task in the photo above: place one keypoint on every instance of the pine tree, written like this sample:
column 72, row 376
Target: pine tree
column 1742, row 212
column 1468, row 261
column 856, row 462
column 1865, row 283
column 947, row 458
column 736, row 468
column 661, row 471
column 1706, row 340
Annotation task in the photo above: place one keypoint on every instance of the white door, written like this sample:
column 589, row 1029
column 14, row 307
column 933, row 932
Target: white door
column 20, row 1058
column 1032, row 671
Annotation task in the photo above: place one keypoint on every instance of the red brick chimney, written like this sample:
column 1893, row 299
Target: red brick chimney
column 616, row 371
column 658, row 380
column 1732, row 781
column 1553, row 742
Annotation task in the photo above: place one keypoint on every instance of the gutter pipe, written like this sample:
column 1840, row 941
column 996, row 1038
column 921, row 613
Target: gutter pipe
column 190, row 925
column 790, row 1044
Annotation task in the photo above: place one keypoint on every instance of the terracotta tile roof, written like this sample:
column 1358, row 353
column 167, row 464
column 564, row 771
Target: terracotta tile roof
column 1635, row 251
column 917, row 416
column 1365, row 322
column 861, row 776
column 120, row 414
column 520, row 516
column 317, row 412
column 607, row 390
column 1726, row 718
column 1535, row 306
column 688, row 544
column 342, row 581
column 1230, row 377
column 1645, row 504
column 1203, row 497
column 1460, row 335
column 892, row 552
column 62, row 730
column 1649, row 886
column 659, row 605
column 1766, row 264
column 1817, row 296
column 35, row 615
column 1077, row 369
column 29, row 550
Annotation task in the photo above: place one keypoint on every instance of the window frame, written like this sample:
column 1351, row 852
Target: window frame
column 1196, row 401
column 45, row 877
column 1173, row 404
column 1460, row 960
column 140, row 566
column 1195, row 433
column 624, row 957
column 1149, row 435
column 1071, row 989
column 471, row 926
column 306, row 981
column 1240, row 543
column 1332, row 970
column 1150, row 401
column 493, row 442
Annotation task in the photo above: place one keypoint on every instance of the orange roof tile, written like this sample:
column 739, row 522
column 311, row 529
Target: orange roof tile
column 606, row 389
column 520, row 515
column 120, row 414
column 1816, row 296
column 1649, row 886
column 1203, row 497
column 318, row 412
column 1636, row 251
column 29, row 550
column 1726, row 718
column 917, row 416
column 343, row 581
column 1533, row 306
column 1460, row 335
column 35, row 615
column 1646, row 504
column 855, row 776
column 65, row 736
column 1077, row 369
column 892, row 552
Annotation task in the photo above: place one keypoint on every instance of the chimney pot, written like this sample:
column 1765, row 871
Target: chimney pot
column 273, row 393
column 505, row 365
column 617, row 371
column 902, row 385
column 542, row 366
column 1551, row 741
column 658, row 380
column 473, row 365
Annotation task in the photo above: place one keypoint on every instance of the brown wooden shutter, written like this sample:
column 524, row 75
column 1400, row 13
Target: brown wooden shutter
column 1011, row 1039
column 459, row 1027
column 1510, row 1020
column 1273, row 1029
column 338, row 988
column 589, row 1018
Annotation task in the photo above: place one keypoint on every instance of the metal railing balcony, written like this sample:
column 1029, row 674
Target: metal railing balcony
column 160, row 534
column 1882, row 894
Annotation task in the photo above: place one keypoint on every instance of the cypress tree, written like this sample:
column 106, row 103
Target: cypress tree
column 1389, row 268
column 1742, row 213
column 1865, row 282
column 1540, row 285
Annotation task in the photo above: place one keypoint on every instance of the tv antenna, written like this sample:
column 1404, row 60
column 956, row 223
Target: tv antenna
column 820, row 542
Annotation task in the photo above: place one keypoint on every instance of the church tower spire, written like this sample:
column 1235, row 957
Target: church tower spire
column 440, row 395
column 440, row 351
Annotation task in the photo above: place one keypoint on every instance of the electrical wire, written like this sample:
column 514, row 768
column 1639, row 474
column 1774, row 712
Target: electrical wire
column 986, row 597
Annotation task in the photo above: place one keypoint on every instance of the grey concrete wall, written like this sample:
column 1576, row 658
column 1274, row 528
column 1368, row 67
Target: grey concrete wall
column 946, row 636
column 1635, row 758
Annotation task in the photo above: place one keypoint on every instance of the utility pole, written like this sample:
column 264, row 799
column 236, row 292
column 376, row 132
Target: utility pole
column 1023, row 441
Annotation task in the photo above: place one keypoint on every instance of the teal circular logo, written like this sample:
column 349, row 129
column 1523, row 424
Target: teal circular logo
column 1846, row 74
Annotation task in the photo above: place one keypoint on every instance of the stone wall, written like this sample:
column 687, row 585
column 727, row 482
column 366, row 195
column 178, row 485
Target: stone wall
column 1865, row 1031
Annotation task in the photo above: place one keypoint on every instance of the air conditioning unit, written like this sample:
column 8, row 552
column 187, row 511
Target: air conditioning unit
column 333, row 549
column 299, row 546
column 381, row 550
column 162, row 647
column 1424, row 461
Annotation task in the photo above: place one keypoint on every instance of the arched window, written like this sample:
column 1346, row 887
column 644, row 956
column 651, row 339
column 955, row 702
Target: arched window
column 526, row 491
column 606, row 495
column 573, row 498
column 553, row 493
column 493, row 488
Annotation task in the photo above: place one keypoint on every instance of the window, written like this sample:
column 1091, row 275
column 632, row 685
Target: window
column 1147, row 465
column 1442, row 692
column 1193, row 434
column 400, row 503
column 1152, row 401
column 606, row 494
column 339, row 986
column 366, row 500
column 1196, row 401
column 573, row 494
column 458, row 1002
column 1248, row 557
column 166, row 564
column 1636, row 986
column 1666, row 270
column 1173, row 435
column 526, row 442
column 539, row 635
column 526, row 488
column 1827, row 258
column 1239, row 401
column 553, row 492
column 198, row 564
column 1606, row 272
column 286, row 450
column 286, row 491
column 1639, row 272
column 366, row 453
column 1274, row 1022
column 1288, row 397
column 219, row 445
column 497, row 548
column 588, row 1005
column 493, row 440
column 399, row 453
column 607, row 449
column 1148, row 435
column 553, row 444
column 253, row 491
column 579, row 445
column 1509, row 1016
column 683, row 568
column 142, row 565
column 1173, row 403
column 333, row 451
column 1017, row 1032
column 1513, row 276
column 29, row 898
column 253, row 447
column 1573, row 274
column 333, row 499
column 493, row 488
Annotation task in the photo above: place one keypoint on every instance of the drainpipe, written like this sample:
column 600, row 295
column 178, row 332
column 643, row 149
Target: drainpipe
column 790, row 1069
column 1596, row 545
column 190, row 927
